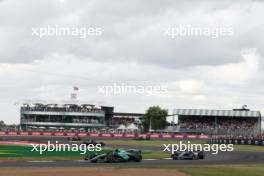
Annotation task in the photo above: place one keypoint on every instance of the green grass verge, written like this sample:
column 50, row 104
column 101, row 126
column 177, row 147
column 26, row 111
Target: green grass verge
column 21, row 152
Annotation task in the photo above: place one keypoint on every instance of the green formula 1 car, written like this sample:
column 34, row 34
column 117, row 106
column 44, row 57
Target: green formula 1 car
column 116, row 156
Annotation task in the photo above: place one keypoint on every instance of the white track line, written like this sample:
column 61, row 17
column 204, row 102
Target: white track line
column 79, row 160
column 157, row 159
column 49, row 161
column 40, row 161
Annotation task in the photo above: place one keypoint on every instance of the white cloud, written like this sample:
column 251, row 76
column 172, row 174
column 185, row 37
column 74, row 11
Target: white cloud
column 190, row 86
column 235, row 73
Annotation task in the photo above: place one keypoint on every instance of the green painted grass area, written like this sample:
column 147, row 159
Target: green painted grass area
column 239, row 170
column 23, row 152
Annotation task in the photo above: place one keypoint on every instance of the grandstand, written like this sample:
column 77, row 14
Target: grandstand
column 72, row 117
column 63, row 116
column 221, row 122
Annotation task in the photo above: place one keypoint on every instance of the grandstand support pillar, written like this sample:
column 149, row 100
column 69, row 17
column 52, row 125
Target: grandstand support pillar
column 216, row 126
column 259, row 125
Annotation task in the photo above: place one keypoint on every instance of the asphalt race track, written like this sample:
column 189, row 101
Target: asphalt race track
column 234, row 157
column 221, row 158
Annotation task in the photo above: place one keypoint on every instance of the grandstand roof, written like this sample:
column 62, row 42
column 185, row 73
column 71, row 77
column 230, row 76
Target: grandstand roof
column 208, row 112
column 58, row 103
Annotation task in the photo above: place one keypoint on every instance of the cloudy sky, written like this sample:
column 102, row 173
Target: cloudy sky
column 133, row 48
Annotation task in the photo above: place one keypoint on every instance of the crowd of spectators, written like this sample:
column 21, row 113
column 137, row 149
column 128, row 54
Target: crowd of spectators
column 65, row 108
column 197, row 124
column 84, row 120
column 237, row 125
column 222, row 125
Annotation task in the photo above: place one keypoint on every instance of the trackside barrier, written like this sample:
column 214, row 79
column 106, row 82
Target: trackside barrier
column 143, row 135
column 118, row 135
column 58, row 134
column 203, row 136
column 47, row 134
column 24, row 133
column 105, row 135
column 178, row 136
column 12, row 133
column 130, row 135
column 71, row 134
column 82, row 134
column 166, row 136
column 154, row 136
column 94, row 135
column 192, row 136
column 35, row 133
